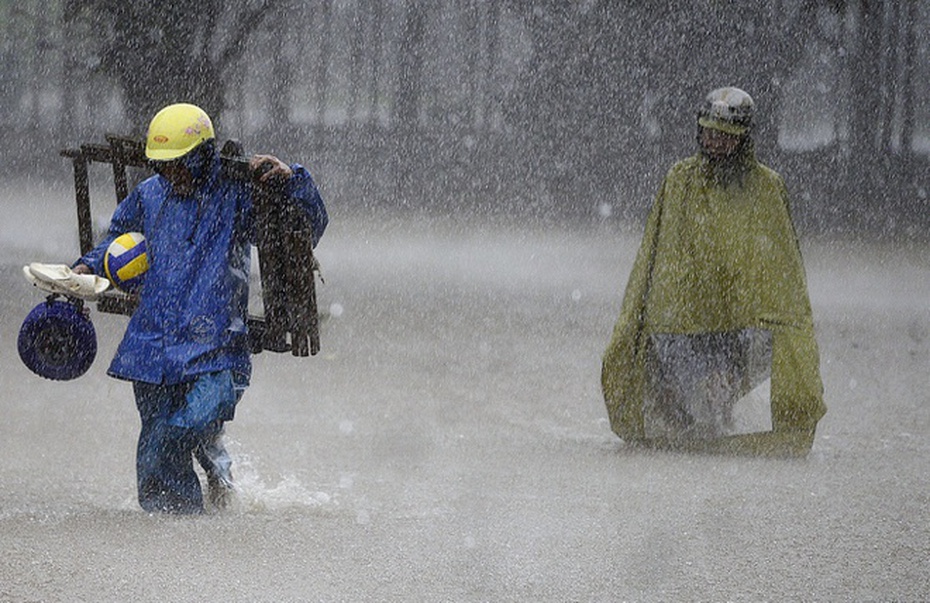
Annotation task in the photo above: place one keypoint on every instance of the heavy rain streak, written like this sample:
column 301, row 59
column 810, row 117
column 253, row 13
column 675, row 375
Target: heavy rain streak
column 488, row 168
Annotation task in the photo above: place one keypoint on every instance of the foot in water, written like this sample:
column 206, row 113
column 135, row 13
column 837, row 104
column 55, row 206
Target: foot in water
column 220, row 490
column 217, row 464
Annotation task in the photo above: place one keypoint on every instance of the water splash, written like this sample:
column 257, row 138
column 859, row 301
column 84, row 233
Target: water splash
column 253, row 494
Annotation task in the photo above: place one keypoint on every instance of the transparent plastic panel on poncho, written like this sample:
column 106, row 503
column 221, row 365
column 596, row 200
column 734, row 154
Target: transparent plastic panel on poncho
column 708, row 385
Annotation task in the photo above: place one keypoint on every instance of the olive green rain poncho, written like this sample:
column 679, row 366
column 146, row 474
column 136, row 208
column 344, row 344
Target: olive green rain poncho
column 720, row 254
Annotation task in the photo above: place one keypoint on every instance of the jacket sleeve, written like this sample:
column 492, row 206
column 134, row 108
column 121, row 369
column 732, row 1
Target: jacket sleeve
column 128, row 217
column 303, row 191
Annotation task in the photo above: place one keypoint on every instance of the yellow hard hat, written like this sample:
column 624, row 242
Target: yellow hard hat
column 176, row 130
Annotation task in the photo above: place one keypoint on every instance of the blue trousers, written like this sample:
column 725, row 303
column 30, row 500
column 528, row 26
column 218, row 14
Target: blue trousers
column 181, row 421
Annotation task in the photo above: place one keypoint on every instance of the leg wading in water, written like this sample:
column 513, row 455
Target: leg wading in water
column 180, row 422
column 217, row 465
column 188, row 346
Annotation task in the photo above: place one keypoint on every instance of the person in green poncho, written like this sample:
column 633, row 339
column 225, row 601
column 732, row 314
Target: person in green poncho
column 718, row 274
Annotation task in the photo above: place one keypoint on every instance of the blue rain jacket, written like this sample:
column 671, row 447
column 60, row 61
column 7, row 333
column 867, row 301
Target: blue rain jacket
column 193, row 306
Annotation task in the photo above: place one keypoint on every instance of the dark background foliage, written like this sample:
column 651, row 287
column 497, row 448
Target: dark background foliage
column 548, row 107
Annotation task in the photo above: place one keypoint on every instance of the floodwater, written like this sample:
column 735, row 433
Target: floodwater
column 450, row 444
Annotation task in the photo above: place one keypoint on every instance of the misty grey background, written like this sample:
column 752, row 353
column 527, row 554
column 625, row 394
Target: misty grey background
column 450, row 441
column 546, row 108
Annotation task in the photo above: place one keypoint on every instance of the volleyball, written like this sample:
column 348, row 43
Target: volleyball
column 126, row 262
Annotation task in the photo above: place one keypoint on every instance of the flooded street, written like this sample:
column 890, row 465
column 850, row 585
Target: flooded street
column 450, row 441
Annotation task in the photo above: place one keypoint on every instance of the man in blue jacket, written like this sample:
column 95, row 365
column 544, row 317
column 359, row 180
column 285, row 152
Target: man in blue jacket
column 186, row 349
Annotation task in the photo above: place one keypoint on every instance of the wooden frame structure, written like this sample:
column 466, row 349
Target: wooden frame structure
column 286, row 263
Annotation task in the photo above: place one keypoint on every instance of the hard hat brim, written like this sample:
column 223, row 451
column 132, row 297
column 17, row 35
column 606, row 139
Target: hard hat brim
column 722, row 126
column 167, row 154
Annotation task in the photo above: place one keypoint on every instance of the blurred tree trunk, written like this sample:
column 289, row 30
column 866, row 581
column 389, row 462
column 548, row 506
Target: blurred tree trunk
column 279, row 101
column 909, row 17
column 377, row 52
column 472, row 86
column 866, row 186
column 408, row 97
column 322, row 77
column 38, row 69
column 360, row 22
column 491, row 107
column 410, row 68
column 165, row 52
column 888, row 69
column 867, row 81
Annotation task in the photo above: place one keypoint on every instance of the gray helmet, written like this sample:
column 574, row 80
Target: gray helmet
column 728, row 110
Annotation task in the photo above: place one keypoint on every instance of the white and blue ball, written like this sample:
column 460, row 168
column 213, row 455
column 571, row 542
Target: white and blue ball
column 126, row 262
